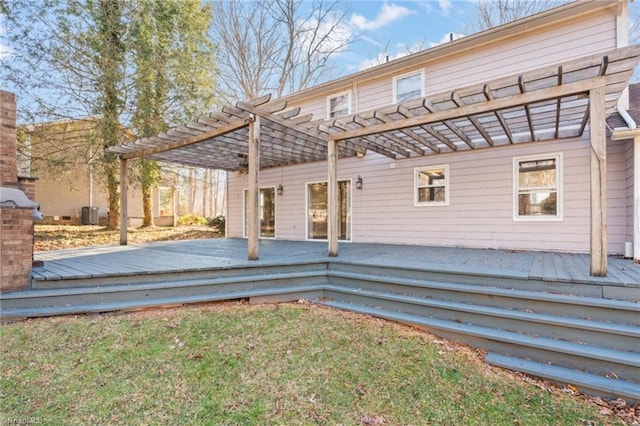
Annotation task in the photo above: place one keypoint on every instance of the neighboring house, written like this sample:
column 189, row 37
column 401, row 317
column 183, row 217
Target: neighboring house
column 68, row 187
column 496, row 140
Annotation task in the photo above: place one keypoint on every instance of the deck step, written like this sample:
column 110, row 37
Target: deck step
column 598, row 360
column 620, row 336
column 44, row 280
column 275, row 293
column 618, row 311
column 585, row 382
column 132, row 292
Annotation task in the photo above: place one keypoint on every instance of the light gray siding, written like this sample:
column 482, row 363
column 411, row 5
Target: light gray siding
column 628, row 184
column 480, row 211
column 531, row 50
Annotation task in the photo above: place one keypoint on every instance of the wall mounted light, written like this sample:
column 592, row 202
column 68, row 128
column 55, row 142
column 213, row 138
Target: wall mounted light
column 359, row 183
column 280, row 189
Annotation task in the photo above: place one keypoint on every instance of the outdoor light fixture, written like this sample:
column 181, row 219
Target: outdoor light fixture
column 280, row 189
column 359, row 183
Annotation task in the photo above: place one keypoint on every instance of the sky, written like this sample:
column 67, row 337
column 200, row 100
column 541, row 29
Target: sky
column 395, row 28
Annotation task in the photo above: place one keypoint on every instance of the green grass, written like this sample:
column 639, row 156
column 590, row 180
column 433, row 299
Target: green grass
column 273, row 364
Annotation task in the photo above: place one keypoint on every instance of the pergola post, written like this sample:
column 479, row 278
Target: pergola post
column 636, row 199
column 124, row 183
column 332, row 195
column 598, row 151
column 253, row 202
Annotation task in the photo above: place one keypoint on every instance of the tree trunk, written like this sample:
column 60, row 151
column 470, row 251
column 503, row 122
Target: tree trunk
column 147, row 206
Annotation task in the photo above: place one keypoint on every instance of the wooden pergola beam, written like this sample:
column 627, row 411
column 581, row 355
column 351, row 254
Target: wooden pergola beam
column 458, row 101
column 456, row 131
column 275, row 119
column 498, row 104
column 527, row 109
column 386, row 119
column 406, row 112
column 220, row 131
column 598, row 142
column 253, row 202
column 124, row 183
column 332, row 195
column 503, row 123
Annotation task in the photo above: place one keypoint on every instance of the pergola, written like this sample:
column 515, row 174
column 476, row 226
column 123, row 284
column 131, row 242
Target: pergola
column 552, row 103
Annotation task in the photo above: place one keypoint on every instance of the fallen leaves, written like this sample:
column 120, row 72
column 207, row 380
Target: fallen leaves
column 57, row 237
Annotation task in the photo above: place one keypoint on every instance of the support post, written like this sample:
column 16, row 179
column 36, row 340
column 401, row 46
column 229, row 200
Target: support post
column 598, row 143
column 124, row 183
column 332, row 195
column 636, row 199
column 253, row 202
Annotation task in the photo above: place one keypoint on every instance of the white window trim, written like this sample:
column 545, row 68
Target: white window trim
column 447, row 178
column 559, row 197
column 394, row 100
column 336, row 95
column 306, row 210
column 244, row 214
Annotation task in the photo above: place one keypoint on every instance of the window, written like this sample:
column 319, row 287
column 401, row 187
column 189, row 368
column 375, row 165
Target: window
column 537, row 182
column 267, row 200
column 408, row 86
column 432, row 186
column 339, row 105
column 317, row 211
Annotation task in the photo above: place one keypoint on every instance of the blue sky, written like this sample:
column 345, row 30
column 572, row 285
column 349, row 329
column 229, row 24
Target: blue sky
column 395, row 28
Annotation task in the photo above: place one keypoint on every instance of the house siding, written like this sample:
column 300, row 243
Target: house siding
column 628, row 184
column 66, row 195
column 480, row 210
column 560, row 42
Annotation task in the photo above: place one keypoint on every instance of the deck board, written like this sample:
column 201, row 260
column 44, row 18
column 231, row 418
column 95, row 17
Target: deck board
column 224, row 253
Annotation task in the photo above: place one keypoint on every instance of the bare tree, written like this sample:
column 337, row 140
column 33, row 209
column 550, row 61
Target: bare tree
column 277, row 47
column 491, row 13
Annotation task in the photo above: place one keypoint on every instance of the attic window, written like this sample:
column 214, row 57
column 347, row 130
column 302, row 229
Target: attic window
column 408, row 86
column 339, row 105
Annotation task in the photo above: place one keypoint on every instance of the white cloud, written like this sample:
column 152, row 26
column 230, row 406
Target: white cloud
column 446, row 38
column 445, row 5
column 388, row 13
column 327, row 36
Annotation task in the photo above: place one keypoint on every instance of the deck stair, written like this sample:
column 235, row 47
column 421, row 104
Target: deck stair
column 589, row 342
column 139, row 291
column 586, row 340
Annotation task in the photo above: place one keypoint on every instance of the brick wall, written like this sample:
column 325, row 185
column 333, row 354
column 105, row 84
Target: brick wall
column 16, row 246
column 28, row 186
column 16, row 225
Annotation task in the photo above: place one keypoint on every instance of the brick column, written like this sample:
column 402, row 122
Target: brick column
column 8, row 163
column 16, row 224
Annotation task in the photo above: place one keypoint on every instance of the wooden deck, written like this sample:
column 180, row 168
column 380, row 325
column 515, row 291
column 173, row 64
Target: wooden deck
column 540, row 313
column 214, row 254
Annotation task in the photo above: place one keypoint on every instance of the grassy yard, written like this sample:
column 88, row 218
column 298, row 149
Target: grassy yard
column 55, row 237
column 291, row 364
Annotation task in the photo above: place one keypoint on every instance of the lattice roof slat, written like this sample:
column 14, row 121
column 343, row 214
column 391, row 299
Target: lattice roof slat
column 542, row 104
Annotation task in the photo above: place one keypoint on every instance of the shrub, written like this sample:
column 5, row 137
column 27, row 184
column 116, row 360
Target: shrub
column 191, row 219
column 218, row 223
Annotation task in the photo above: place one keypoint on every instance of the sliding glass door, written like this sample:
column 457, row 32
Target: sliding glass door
column 317, row 210
column 267, row 212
